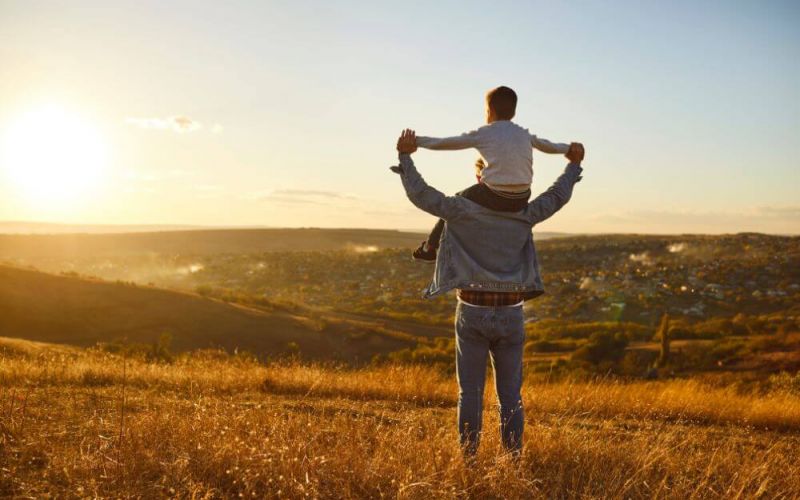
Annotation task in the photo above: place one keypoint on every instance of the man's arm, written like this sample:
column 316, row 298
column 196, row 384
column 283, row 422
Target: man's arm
column 551, row 201
column 464, row 141
column 424, row 196
column 417, row 190
column 546, row 146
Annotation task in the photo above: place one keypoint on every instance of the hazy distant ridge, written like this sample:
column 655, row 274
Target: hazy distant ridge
column 204, row 241
column 29, row 227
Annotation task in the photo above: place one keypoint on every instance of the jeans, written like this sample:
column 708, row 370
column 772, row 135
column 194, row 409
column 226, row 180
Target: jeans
column 500, row 333
column 485, row 197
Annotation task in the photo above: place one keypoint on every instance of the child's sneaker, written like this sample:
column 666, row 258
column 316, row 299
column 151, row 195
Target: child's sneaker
column 424, row 253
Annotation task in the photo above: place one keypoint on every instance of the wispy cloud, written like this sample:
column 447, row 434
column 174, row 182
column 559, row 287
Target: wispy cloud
column 304, row 197
column 312, row 193
column 206, row 187
column 207, row 191
column 138, row 190
column 180, row 124
column 789, row 212
column 401, row 212
column 332, row 201
column 155, row 175
column 293, row 201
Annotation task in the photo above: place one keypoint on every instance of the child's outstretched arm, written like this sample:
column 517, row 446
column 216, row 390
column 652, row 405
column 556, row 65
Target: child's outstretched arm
column 464, row 141
column 545, row 146
column 418, row 191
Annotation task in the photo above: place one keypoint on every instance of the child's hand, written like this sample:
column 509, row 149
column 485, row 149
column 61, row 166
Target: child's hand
column 576, row 152
column 407, row 143
column 479, row 166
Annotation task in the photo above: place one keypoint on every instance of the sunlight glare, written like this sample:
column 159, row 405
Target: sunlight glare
column 51, row 155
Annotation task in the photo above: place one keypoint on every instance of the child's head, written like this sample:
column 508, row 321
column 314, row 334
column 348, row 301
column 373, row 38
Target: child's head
column 501, row 104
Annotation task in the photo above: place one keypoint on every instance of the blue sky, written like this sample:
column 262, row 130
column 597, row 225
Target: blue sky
column 289, row 110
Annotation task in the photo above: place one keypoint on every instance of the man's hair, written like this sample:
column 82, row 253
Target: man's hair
column 503, row 101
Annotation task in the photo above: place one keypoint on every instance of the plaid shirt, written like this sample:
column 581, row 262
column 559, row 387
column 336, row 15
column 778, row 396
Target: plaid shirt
column 490, row 299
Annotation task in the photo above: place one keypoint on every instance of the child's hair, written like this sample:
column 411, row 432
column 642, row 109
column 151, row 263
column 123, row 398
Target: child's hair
column 503, row 101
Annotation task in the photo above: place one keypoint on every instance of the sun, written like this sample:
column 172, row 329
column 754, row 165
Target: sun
column 51, row 155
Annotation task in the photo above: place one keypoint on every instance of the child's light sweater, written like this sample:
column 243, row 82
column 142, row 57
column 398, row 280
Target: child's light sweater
column 506, row 151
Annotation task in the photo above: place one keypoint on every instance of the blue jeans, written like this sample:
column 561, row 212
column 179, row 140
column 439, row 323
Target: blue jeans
column 480, row 332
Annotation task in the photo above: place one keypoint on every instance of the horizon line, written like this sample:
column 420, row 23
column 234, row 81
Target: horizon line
column 178, row 227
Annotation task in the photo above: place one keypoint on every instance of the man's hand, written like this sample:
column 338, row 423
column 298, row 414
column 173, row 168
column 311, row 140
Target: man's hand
column 407, row 143
column 575, row 153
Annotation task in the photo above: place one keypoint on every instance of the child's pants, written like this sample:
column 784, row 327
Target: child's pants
column 485, row 197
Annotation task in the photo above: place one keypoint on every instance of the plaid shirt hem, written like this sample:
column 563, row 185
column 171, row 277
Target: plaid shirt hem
column 490, row 299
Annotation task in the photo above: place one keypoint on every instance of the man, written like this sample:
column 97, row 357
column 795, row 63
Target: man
column 490, row 259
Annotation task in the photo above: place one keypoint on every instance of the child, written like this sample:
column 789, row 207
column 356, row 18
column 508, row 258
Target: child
column 505, row 169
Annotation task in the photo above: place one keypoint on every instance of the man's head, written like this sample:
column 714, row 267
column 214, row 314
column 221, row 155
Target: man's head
column 501, row 104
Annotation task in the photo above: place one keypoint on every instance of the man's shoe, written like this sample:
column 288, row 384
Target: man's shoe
column 424, row 253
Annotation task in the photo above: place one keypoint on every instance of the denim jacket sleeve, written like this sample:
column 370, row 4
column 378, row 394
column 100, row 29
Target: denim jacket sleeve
column 551, row 201
column 424, row 196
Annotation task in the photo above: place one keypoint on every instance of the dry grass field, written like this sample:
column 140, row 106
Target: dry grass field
column 84, row 423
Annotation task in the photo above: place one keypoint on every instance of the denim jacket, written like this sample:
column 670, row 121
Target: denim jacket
column 482, row 249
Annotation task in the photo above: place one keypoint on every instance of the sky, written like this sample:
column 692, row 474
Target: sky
column 286, row 113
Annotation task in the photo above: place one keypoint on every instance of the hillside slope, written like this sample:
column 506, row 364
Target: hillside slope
column 69, row 310
column 199, row 242
column 32, row 247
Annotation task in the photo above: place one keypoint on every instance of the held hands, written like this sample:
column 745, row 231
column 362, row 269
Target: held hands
column 575, row 153
column 407, row 143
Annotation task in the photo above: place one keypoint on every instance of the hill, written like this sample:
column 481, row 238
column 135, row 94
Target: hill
column 86, row 423
column 81, row 244
column 733, row 300
column 33, row 227
column 198, row 242
column 70, row 310
column 587, row 278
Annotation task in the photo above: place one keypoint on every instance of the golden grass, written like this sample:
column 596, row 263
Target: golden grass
column 210, row 427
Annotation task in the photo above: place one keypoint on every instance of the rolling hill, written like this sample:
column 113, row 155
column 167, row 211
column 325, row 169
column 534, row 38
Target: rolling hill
column 35, row 227
column 58, row 244
column 199, row 242
column 83, row 312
